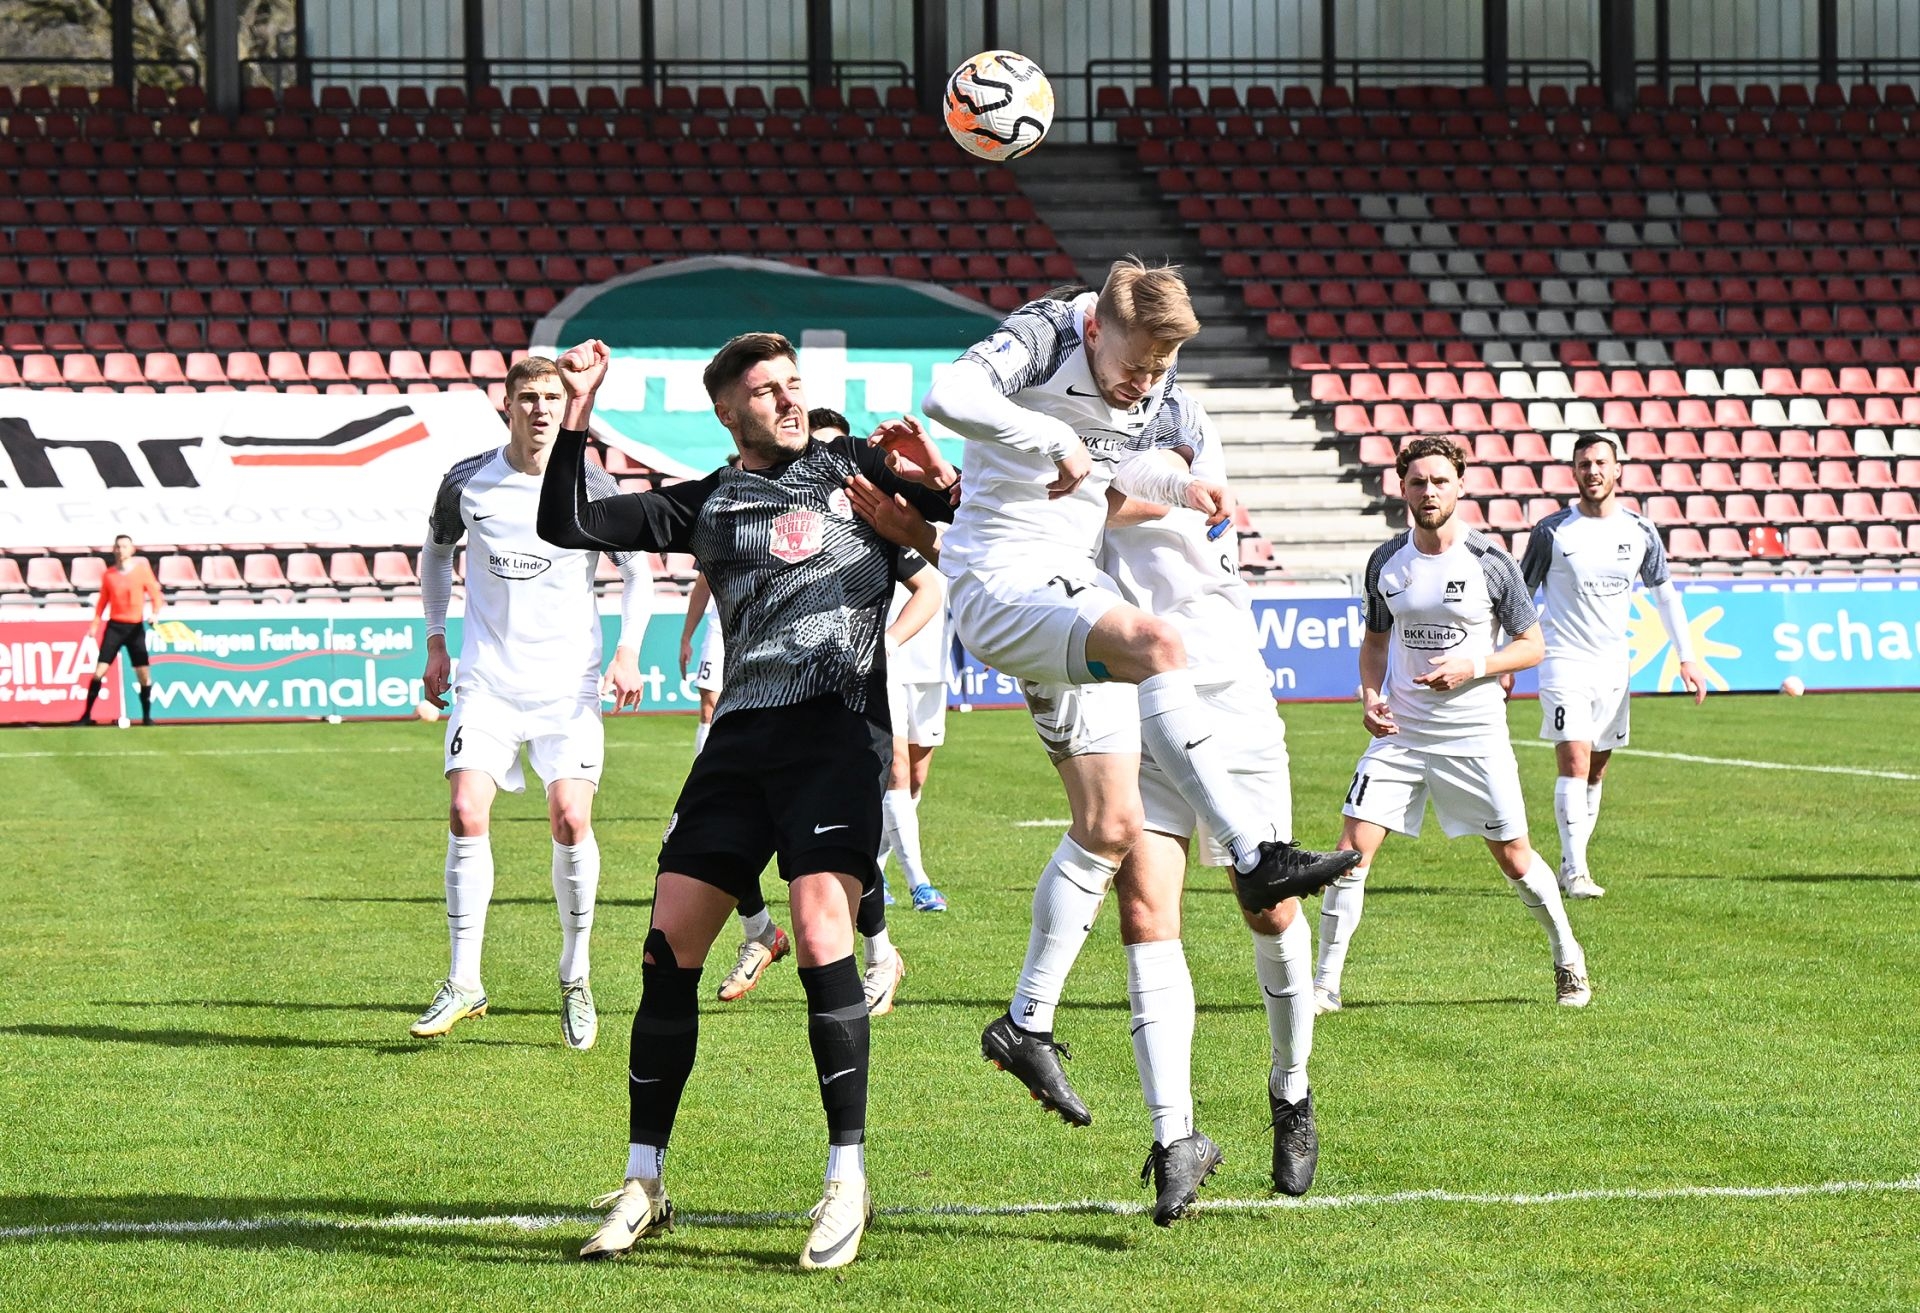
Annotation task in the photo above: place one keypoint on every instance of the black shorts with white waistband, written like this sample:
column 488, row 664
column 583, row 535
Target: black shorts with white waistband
column 802, row 784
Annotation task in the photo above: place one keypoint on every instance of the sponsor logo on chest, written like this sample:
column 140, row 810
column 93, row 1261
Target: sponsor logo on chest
column 1432, row 637
column 1456, row 590
column 796, row 535
column 516, row 565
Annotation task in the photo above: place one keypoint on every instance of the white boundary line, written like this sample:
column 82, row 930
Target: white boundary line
column 429, row 749
column 1750, row 765
column 545, row 1221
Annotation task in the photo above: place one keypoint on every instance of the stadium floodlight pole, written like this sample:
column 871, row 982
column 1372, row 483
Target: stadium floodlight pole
column 1494, row 44
column 473, row 44
column 222, row 54
column 122, row 21
column 930, row 53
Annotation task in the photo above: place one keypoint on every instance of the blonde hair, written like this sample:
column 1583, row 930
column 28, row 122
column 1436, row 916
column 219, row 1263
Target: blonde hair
column 1153, row 301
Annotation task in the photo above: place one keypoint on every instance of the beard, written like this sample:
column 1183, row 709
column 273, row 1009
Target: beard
column 766, row 443
column 1430, row 520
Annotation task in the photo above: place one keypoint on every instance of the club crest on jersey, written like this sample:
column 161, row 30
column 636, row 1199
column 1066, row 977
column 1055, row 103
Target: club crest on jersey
column 1456, row 589
column 839, row 504
column 1623, row 551
column 796, row 535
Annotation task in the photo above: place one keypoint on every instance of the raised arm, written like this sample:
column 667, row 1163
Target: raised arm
column 645, row 521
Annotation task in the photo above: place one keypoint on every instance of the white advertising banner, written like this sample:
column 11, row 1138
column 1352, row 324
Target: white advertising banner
column 210, row 467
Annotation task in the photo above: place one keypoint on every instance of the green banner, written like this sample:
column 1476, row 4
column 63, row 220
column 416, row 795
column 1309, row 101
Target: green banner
column 301, row 663
column 868, row 347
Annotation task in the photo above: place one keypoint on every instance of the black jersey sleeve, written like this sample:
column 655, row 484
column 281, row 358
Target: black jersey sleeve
column 872, row 462
column 647, row 521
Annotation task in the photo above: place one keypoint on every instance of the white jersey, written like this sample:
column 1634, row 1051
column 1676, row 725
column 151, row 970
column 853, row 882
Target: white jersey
column 1588, row 566
column 1169, row 568
column 1447, row 604
column 924, row 658
column 532, row 629
column 1038, row 360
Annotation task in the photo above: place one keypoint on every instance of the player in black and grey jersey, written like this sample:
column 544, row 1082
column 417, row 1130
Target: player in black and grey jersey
column 800, row 747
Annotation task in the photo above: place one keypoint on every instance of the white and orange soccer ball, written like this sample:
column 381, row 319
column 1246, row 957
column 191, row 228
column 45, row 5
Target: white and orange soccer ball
column 999, row 105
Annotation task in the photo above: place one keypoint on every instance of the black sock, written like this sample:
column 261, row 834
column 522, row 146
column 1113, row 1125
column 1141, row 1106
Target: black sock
column 838, row 1031
column 871, row 917
column 93, row 692
column 666, row 1031
column 146, row 702
column 753, row 902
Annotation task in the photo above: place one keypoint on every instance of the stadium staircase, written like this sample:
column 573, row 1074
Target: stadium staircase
column 1304, row 502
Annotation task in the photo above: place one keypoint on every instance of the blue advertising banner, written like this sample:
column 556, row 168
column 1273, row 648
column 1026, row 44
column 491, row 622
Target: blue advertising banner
column 1833, row 633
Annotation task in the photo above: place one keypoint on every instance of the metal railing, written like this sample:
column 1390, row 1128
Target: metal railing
column 507, row 71
column 1705, row 72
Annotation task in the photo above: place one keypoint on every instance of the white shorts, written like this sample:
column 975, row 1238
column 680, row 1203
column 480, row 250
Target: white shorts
column 1471, row 795
column 1258, row 739
column 1022, row 621
column 1576, row 707
column 564, row 740
column 709, row 672
column 919, row 712
column 1084, row 720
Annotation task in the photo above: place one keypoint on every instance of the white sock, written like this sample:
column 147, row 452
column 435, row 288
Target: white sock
column 1339, row 917
column 1284, row 964
column 901, row 812
column 879, row 947
column 1570, row 813
column 846, row 1162
column 1540, row 893
column 1065, row 901
column 1161, row 990
column 759, row 926
column 646, row 1161
column 1180, row 731
column 576, row 879
column 700, row 732
column 469, row 889
column 1593, row 805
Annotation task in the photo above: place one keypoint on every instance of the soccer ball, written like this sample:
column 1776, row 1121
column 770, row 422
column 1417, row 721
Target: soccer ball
column 999, row 105
column 426, row 711
column 1793, row 686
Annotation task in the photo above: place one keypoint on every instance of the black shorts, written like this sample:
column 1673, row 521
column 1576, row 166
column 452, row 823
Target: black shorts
column 800, row 783
column 131, row 636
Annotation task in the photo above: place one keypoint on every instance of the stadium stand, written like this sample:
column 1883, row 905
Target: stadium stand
column 1723, row 278
column 407, row 242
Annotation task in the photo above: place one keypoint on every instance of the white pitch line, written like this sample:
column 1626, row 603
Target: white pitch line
column 333, row 751
column 545, row 1221
column 1750, row 765
column 1046, row 823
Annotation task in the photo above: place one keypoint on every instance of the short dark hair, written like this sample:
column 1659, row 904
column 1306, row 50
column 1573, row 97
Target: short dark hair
column 1586, row 440
column 528, row 368
column 825, row 417
column 118, row 536
column 740, row 355
column 1431, row 446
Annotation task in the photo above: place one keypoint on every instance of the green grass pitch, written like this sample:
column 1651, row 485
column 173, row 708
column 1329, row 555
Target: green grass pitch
column 213, row 940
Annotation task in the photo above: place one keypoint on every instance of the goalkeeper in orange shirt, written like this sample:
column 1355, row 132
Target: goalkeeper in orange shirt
column 125, row 591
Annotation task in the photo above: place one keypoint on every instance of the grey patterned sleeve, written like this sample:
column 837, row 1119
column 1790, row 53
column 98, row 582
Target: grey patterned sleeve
column 1653, row 570
column 600, row 486
column 444, row 525
column 1379, row 618
column 1538, row 558
column 1028, row 346
column 1512, row 598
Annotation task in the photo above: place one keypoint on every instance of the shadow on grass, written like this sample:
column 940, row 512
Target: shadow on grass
column 1793, row 877
column 992, row 1007
column 278, row 1005
column 172, row 1038
column 387, row 1228
column 1390, row 1003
